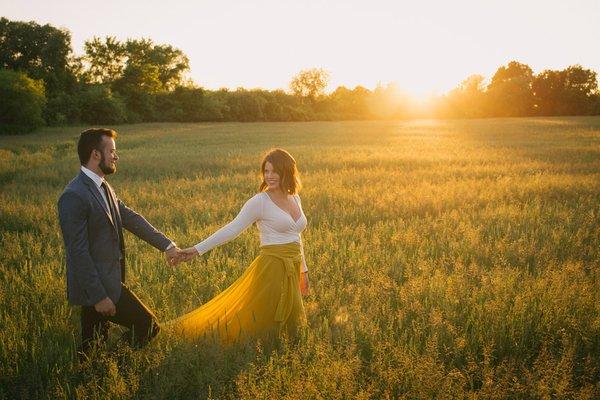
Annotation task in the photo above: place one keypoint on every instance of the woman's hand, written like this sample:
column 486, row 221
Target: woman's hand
column 188, row 254
column 304, row 284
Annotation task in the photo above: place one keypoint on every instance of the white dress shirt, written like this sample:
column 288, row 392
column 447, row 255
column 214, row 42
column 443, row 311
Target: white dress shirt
column 98, row 180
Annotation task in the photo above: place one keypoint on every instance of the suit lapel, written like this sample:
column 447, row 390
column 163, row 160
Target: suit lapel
column 96, row 194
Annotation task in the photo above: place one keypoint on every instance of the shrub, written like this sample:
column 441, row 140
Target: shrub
column 140, row 106
column 22, row 102
column 184, row 104
column 62, row 108
column 100, row 106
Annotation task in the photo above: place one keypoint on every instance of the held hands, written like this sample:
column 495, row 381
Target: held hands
column 188, row 254
column 175, row 255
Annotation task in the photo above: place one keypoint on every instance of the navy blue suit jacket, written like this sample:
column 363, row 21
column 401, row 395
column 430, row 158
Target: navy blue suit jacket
column 95, row 250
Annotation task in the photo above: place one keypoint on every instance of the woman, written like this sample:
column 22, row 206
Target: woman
column 266, row 300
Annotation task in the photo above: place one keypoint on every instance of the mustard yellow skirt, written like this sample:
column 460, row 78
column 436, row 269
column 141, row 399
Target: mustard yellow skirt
column 264, row 302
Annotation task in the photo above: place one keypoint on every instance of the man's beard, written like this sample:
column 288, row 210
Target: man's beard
column 106, row 169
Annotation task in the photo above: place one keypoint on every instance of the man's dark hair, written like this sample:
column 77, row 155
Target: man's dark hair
column 89, row 140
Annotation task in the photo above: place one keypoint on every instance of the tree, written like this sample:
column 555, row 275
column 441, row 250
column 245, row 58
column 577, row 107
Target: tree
column 42, row 52
column 310, row 83
column 567, row 92
column 21, row 102
column 136, row 63
column 138, row 70
column 388, row 102
column 468, row 100
column 581, row 85
column 105, row 59
column 282, row 106
column 350, row 104
column 170, row 63
column 139, row 78
column 548, row 88
column 510, row 92
column 246, row 105
column 100, row 106
column 183, row 104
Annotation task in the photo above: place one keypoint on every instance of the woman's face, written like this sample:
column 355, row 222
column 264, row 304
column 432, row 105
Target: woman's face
column 271, row 177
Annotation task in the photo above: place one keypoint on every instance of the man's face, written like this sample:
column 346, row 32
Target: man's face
column 108, row 156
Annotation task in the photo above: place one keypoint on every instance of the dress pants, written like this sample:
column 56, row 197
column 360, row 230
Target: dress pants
column 130, row 313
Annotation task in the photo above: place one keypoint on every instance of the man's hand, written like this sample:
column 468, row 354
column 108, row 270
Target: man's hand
column 106, row 307
column 173, row 256
column 304, row 283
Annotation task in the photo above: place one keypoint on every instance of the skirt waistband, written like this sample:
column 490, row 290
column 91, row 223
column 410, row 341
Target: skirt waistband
column 287, row 250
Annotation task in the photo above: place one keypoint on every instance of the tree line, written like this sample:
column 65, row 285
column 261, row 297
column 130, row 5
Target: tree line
column 42, row 82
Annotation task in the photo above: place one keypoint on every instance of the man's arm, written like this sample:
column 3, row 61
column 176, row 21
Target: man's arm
column 141, row 228
column 72, row 214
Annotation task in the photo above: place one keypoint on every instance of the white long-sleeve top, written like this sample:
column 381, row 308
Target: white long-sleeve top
column 275, row 225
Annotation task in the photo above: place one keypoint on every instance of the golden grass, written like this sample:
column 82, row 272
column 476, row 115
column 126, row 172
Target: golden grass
column 448, row 259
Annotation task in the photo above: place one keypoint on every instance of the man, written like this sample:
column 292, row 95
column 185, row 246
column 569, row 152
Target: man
column 91, row 219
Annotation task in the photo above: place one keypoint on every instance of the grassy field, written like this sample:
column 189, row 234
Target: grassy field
column 451, row 259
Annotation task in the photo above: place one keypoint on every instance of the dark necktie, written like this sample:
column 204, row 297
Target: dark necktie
column 111, row 209
column 113, row 215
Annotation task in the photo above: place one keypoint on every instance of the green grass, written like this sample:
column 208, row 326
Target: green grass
column 451, row 259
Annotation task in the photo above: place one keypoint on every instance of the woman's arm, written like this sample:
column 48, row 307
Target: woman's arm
column 304, row 267
column 250, row 212
column 304, row 282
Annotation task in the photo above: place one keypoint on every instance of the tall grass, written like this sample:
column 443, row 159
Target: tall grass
column 448, row 259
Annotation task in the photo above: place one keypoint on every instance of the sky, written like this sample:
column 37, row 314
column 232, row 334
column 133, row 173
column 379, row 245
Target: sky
column 426, row 47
